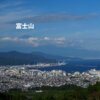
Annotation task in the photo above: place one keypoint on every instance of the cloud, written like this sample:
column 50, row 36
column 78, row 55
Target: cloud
column 7, row 5
column 85, row 44
column 55, row 17
column 60, row 40
column 35, row 41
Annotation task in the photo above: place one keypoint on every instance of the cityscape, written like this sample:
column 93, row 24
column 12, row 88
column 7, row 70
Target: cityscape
column 15, row 77
column 49, row 49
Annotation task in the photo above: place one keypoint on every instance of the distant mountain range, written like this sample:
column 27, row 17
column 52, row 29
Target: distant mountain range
column 19, row 58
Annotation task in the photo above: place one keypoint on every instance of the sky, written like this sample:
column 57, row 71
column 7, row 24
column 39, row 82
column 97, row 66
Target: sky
column 62, row 27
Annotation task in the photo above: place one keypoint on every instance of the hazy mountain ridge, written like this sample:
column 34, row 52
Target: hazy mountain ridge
column 19, row 58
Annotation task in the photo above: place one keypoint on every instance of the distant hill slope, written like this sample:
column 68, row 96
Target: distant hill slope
column 18, row 58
